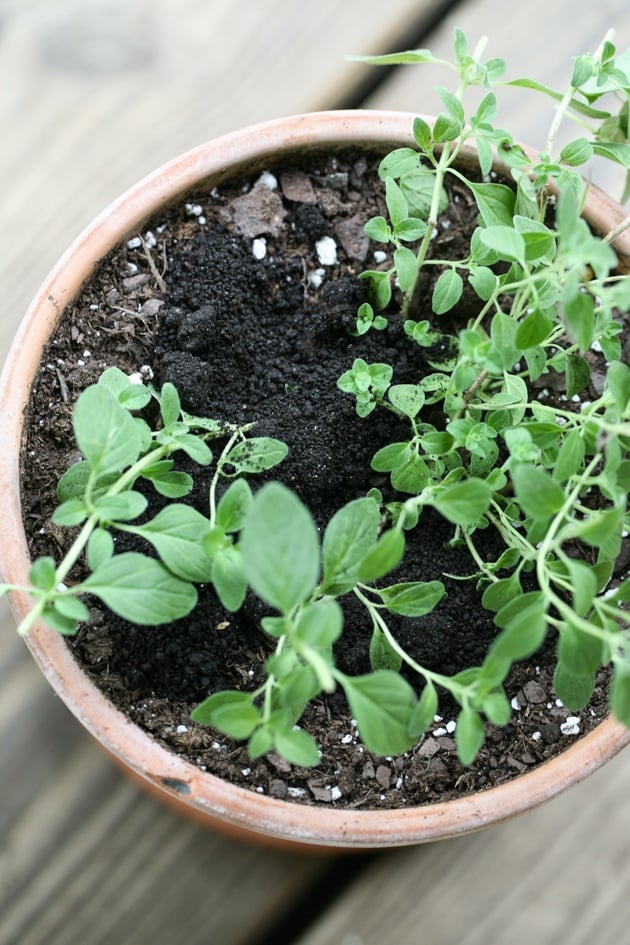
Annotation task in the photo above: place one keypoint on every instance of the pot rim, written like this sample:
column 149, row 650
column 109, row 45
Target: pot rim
column 204, row 794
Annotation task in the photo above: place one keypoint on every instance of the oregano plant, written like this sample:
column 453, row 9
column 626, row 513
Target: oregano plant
column 549, row 476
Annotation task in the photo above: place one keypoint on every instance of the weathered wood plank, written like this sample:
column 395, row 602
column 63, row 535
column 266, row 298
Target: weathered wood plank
column 96, row 95
column 537, row 40
column 557, row 874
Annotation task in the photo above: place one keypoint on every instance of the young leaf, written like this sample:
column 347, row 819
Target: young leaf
column 578, row 651
column 578, row 374
column 463, row 503
column 620, row 693
column 170, row 406
column 228, row 578
column 495, row 203
column 469, row 735
column 69, row 513
column 536, row 491
column 141, row 590
column 280, row 548
column 71, row 608
column 524, row 620
column 505, row 241
column 100, row 548
column 319, row 625
column 177, row 534
column 412, row 599
column 105, row 432
column 447, row 292
column 382, row 704
column 231, row 711
column 297, row 747
column 408, row 398
column 234, row 505
column 424, row 711
column 42, row 574
column 382, row 654
column 350, row 535
column 384, row 556
column 574, row 690
column 257, row 454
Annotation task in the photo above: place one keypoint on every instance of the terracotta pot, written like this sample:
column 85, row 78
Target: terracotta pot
column 196, row 793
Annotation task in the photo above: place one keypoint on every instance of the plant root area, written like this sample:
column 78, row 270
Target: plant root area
column 244, row 298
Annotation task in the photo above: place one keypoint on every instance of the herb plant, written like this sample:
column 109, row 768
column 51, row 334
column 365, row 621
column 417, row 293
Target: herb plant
column 551, row 478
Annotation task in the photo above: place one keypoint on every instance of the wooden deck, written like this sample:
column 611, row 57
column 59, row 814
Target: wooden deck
column 94, row 94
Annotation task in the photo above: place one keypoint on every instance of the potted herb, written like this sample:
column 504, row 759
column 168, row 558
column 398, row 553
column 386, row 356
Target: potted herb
column 537, row 296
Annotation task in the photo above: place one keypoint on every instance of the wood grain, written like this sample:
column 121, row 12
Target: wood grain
column 538, row 40
column 92, row 96
column 557, row 874
column 95, row 95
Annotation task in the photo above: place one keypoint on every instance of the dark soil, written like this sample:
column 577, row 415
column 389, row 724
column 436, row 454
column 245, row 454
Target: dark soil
column 265, row 339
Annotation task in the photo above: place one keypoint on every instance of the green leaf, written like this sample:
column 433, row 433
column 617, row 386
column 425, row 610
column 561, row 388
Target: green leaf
column 396, row 59
column 422, row 133
column 579, row 313
column 539, row 496
column 463, row 503
column 618, row 383
column 504, row 240
column 297, row 747
column 141, row 590
column 131, row 396
column 280, row 548
column 69, row 513
column 384, row 556
column 42, row 574
column 406, row 267
column 620, row 693
column 230, row 711
column 71, row 608
column 413, row 598
column 533, row 330
column 397, row 205
column 382, row 703
column 575, row 690
column 170, row 406
column 583, row 585
column 350, row 535
column 123, row 507
column 100, row 548
column 578, row 374
column 497, row 707
column 577, row 152
column 320, row 624
column 378, row 229
column 57, row 621
column 382, row 654
column 524, row 620
column 495, row 203
column 105, row 432
column 234, row 505
column 484, row 282
column 193, row 446
column 578, row 651
column 600, row 530
column 177, row 534
column 469, row 735
column 173, row 484
column 228, row 578
column 424, row 711
column 257, row 454
column 500, row 593
column 570, row 457
column 408, row 398
column 447, row 292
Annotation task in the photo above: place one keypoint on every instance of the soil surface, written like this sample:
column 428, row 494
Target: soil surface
column 244, row 299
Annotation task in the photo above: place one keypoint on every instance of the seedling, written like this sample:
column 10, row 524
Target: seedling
column 550, row 477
